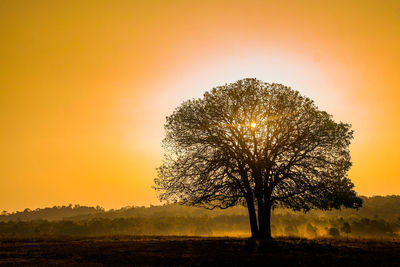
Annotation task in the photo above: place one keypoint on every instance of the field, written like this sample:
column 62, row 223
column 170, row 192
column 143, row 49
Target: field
column 200, row 251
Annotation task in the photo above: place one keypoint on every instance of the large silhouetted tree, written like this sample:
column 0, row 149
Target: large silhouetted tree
column 258, row 144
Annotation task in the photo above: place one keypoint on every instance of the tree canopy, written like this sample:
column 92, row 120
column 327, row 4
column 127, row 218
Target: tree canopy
column 258, row 144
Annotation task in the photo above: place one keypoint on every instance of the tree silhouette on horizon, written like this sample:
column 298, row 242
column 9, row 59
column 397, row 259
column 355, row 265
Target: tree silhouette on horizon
column 256, row 144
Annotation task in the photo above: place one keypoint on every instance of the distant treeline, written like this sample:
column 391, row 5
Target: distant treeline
column 378, row 218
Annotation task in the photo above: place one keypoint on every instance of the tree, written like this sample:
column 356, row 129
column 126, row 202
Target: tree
column 334, row 232
column 346, row 228
column 257, row 144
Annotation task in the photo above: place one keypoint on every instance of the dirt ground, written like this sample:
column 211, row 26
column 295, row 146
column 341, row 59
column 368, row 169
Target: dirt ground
column 197, row 251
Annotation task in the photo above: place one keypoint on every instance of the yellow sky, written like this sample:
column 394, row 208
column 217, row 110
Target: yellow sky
column 85, row 85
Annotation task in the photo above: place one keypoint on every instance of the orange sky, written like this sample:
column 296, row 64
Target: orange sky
column 85, row 85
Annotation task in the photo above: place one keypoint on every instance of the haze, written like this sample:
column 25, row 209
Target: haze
column 85, row 86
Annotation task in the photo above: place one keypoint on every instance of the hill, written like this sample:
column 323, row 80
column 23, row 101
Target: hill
column 378, row 218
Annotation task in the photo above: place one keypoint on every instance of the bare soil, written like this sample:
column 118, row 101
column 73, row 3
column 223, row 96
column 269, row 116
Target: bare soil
column 196, row 251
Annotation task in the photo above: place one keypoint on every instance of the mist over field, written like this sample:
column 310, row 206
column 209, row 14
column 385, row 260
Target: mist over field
column 378, row 218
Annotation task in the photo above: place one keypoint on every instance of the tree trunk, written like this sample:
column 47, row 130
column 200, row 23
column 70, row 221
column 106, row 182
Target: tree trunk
column 262, row 219
column 252, row 217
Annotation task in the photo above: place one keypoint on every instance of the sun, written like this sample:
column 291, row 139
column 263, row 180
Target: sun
column 253, row 124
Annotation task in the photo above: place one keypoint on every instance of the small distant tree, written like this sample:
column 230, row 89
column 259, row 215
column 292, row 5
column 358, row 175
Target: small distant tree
column 334, row 232
column 257, row 144
column 346, row 228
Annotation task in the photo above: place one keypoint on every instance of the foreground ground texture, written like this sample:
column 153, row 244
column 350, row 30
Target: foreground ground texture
column 189, row 251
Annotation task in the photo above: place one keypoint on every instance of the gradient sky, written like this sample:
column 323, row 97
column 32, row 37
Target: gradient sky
column 85, row 86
